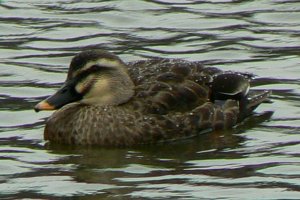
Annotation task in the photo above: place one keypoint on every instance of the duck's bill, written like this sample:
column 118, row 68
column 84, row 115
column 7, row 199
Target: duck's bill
column 43, row 105
column 63, row 96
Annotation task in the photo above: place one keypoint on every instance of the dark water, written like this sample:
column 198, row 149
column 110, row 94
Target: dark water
column 258, row 160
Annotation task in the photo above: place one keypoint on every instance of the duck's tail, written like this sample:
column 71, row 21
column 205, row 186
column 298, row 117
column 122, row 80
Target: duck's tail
column 225, row 116
column 253, row 99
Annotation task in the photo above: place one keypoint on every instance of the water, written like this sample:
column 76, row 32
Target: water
column 258, row 160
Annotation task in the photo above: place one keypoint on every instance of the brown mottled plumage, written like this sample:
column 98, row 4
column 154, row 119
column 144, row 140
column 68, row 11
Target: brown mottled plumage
column 106, row 102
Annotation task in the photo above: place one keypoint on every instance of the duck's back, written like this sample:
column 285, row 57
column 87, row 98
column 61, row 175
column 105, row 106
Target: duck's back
column 170, row 85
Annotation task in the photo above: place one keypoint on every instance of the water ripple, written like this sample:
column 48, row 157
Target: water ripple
column 257, row 160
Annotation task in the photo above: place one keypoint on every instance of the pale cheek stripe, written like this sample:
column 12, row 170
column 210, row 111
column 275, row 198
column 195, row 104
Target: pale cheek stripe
column 102, row 62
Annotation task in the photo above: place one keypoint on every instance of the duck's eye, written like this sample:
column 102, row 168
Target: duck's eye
column 67, row 89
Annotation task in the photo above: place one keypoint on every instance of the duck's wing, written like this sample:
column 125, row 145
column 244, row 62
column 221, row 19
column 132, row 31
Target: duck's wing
column 171, row 85
column 178, row 87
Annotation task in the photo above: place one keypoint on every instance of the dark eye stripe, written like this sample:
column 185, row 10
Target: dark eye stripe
column 94, row 69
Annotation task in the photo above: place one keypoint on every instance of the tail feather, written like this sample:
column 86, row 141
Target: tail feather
column 256, row 97
column 252, row 101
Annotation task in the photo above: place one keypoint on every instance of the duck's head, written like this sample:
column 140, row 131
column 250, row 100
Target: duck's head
column 95, row 77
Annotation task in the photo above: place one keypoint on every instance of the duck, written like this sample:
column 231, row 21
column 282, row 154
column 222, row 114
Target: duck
column 107, row 102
